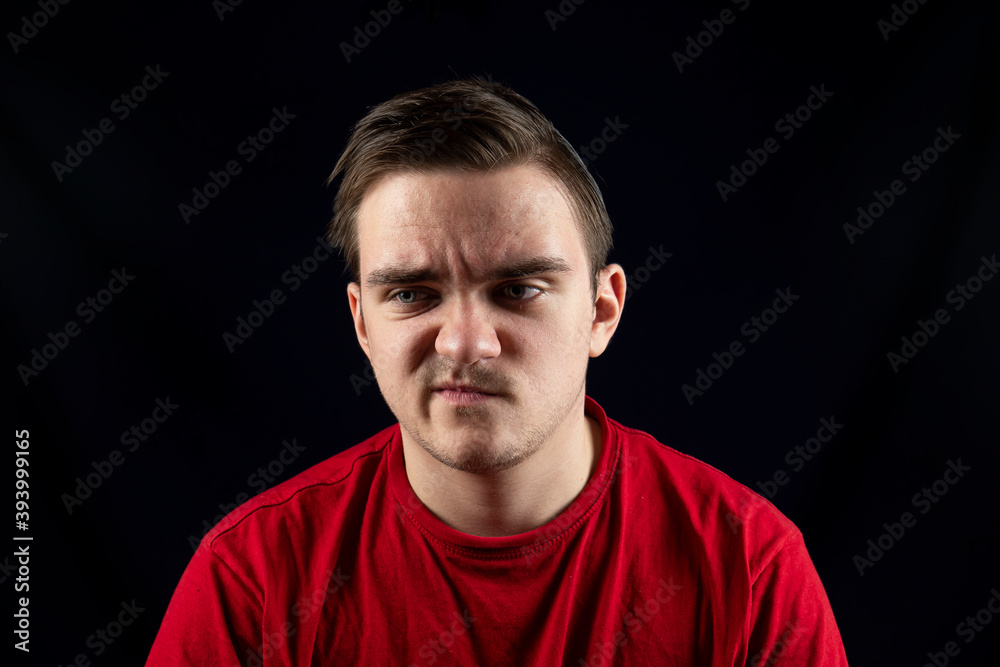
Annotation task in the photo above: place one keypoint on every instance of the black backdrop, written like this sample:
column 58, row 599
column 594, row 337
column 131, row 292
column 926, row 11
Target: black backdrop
column 113, row 544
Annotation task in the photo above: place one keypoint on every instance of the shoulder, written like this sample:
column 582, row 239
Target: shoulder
column 326, row 487
column 704, row 502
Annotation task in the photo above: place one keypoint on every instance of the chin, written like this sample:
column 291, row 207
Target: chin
column 486, row 462
column 473, row 452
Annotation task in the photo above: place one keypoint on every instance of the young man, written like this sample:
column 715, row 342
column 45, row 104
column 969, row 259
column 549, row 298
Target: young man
column 505, row 520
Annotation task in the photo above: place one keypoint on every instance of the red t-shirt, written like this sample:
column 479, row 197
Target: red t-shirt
column 661, row 560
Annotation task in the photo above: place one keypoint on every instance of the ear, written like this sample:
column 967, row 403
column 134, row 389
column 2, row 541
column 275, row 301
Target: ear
column 354, row 298
column 608, row 306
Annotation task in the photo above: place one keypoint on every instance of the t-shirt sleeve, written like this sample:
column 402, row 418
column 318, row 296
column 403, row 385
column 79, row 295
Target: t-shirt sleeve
column 212, row 619
column 791, row 621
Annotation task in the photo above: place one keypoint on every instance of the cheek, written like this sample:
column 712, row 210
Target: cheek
column 398, row 349
column 556, row 344
column 574, row 330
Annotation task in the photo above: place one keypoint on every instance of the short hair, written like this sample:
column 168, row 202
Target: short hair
column 466, row 125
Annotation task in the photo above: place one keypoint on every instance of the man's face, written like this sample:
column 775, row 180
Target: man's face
column 477, row 311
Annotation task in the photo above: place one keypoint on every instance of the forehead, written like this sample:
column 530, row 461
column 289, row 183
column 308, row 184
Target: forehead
column 472, row 220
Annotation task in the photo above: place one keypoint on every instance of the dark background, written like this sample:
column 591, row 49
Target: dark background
column 301, row 375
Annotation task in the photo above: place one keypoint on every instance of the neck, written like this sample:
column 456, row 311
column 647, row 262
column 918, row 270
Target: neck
column 513, row 501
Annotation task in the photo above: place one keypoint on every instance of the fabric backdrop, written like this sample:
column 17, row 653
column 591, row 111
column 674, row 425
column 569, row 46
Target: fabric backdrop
column 812, row 185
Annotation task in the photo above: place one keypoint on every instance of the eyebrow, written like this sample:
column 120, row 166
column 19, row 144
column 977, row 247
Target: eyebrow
column 396, row 275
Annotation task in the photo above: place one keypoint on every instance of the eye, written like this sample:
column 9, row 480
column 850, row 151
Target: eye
column 521, row 292
column 406, row 296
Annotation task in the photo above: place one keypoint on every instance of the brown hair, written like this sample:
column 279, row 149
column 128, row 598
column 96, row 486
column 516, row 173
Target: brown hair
column 468, row 124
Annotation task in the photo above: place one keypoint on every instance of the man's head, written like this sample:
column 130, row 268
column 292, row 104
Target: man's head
column 481, row 306
column 465, row 125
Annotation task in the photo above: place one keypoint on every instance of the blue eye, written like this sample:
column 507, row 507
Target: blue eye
column 520, row 292
column 406, row 296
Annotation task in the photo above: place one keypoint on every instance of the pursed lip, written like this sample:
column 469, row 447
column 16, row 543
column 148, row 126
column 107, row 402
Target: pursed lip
column 463, row 388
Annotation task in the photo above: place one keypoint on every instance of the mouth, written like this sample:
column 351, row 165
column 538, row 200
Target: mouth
column 457, row 394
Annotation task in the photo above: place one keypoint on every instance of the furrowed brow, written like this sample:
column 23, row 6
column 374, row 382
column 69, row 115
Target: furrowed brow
column 530, row 267
column 396, row 275
column 402, row 275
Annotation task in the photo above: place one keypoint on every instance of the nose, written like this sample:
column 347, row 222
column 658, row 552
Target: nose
column 467, row 333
